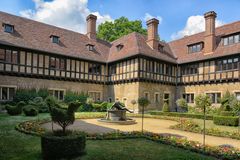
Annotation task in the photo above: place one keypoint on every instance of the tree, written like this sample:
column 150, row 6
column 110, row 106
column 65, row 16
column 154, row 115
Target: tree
column 133, row 102
column 111, row 31
column 228, row 101
column 203, row 101
column 143, row 102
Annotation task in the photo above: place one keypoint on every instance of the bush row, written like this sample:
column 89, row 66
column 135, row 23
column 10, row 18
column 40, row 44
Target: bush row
column 226, row 120
column 180, row 114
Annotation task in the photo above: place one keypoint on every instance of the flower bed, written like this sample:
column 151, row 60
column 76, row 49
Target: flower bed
column 190, row 126
column 223, row 152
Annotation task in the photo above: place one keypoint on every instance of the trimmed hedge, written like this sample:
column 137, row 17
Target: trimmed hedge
column 15, row 110
column 180, row 114
column 226, row 120
column 30, row 110
column 57, row 147
column 226, row 113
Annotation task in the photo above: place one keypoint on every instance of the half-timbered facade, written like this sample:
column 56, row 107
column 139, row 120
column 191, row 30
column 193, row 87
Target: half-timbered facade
column 37, row 55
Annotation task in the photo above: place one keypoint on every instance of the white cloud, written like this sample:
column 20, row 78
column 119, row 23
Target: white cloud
column 69, row 14
column 148, row 16
column 195, row 24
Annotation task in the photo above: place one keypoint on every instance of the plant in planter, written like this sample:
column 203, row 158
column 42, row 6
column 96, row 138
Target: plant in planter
column 62, row 143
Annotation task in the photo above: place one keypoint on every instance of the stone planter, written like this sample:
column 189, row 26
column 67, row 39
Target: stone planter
column 57, row 147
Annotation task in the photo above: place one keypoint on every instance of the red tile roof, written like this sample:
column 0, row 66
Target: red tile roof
column 180, row 49
column 35, row 35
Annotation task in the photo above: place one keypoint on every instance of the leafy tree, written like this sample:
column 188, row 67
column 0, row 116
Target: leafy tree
column 143, row 102
column 111, row 31
column 203, row 101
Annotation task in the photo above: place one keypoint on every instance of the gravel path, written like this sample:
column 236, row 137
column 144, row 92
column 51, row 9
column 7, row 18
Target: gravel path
column 150, row 124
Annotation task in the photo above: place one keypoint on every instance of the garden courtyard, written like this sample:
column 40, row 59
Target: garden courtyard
column 150, row 125
column 18, row 146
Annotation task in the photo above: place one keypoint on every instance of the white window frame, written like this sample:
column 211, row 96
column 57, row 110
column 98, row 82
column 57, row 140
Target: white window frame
column 7, row 86
column 57, row 89
column 194, row 94
column 95, row 93
column 215, row 92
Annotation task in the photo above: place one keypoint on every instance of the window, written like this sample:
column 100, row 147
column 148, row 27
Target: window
column 96, row 96
column 166, row 97
column 90, row 47
column 146, row 95
column 11, row 56
column 189, row 97
column 227, row 64
column 55, row 39
column 160, row 48
column 214, row 97
column 195, row 48
column 231, row 39
column 2, row 55
column 8, row 28
column 52, row 63
column 62, row 64
column 189, row 69
column 7, row 93
column 119, row 47
column 58, row 94
column 156, row 98
column 94, row 69
column 168, row 70
column 237, row 95
column 113, row 69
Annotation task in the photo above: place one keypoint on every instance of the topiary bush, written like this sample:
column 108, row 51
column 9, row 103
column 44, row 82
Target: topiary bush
column 226, row 120
column 25, row 95
column 15, row 110
column 40, row 104
column 182, row 103
column 74, row 96
column 30, row 110
column 58, row 147
column 165, row 107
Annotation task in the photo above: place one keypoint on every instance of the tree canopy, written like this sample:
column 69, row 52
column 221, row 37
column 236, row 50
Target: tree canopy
column 111, row 31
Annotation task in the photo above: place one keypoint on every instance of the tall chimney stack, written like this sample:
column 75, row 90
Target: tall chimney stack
column 152, row 33
column 209, row 37
column 91, row 26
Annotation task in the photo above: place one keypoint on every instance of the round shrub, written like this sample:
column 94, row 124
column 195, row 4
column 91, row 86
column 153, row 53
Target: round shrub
column 68, row 146
column 30, row 110
column 15, row 110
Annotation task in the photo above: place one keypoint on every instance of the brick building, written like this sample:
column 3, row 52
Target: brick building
column 37, row 55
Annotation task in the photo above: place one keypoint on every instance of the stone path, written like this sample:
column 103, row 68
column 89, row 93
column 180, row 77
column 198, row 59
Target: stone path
column 152, row 125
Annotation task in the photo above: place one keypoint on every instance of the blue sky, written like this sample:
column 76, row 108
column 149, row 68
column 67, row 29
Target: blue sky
column 174, row 14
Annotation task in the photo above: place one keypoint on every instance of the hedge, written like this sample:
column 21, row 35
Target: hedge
column 57, row 147
column 30, row 110
column 226, row 120
column 180, row 114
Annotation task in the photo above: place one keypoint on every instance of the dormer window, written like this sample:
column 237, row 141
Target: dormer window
column 8, row 28
column 55, row 39
column 90, row 47
column 160, row 48
column 197, row 47
column 119, row 47
column 231, row 39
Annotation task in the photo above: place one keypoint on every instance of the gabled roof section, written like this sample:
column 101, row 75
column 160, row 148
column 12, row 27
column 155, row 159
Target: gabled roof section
column 135, row 44
column 180, row 49
column 35, row 35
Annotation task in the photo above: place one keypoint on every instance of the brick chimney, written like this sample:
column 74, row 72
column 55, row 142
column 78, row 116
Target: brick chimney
column 91, row 26
column 152, row 33
column 209, row 37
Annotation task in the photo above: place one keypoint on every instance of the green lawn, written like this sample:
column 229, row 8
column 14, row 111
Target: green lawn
column 18, row 146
